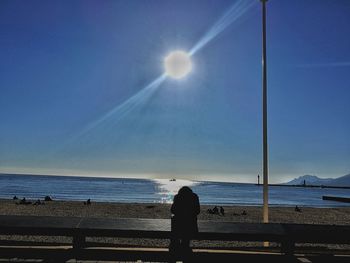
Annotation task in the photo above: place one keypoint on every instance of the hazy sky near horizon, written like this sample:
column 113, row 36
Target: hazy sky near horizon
column 66, row 66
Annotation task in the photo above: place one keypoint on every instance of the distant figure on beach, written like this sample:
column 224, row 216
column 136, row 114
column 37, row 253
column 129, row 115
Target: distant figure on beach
column 38, row 202
column 297, row 209
column 24, row 202
column 88, row 202
column 185, row 209
column 48, row 198
column 15, row 198
column 215, row 211
column 244, row 213
column 222, row 211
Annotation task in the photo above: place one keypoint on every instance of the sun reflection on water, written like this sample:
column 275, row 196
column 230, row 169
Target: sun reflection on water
column 167, row 188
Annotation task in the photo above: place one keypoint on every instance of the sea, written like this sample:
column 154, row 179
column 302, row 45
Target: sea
column 128, row 190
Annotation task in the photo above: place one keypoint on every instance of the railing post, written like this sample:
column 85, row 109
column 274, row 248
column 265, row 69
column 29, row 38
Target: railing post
column 78, row 241
column 288, row 247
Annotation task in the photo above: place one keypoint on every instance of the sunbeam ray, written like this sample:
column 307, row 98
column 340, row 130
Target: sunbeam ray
column 235, row 12
column 122, row 109
column 118, row 113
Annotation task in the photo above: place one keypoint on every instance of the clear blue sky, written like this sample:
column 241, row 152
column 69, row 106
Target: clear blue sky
column 64, row 65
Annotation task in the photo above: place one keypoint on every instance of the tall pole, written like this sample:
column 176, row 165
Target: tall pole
column 264, row 87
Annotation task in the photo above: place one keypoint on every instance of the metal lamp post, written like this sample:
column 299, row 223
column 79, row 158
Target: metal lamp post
column 264, row 90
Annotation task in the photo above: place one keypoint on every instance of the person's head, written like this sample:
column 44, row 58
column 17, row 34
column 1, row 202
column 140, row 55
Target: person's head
column 185, row 190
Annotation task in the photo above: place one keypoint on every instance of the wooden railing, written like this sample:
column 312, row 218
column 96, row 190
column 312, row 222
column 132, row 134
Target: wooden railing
column 287, row 235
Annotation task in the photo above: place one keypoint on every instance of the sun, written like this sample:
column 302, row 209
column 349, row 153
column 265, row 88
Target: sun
column 177, row 64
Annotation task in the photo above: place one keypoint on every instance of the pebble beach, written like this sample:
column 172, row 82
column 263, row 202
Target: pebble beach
column 253, row 214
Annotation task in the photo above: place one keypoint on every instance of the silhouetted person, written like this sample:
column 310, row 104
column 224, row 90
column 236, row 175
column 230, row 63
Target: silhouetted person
column 244, row 213
column 24, row 202
column 48, row 198
column 88, row 202
column 222, row 210
column 15, row 198
column 185, row 209
column 38, row 202
column 215, row 210
column 297, row 209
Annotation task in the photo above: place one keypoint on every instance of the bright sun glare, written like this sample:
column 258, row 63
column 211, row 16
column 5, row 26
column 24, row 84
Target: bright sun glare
column 177, row 64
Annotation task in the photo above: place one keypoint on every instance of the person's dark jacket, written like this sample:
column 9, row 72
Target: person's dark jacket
column 185, row 209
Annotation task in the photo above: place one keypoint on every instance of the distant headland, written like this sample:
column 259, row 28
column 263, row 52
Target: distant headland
column 312, row 180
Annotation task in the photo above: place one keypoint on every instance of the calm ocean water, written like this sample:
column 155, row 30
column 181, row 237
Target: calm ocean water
column 159, row 191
